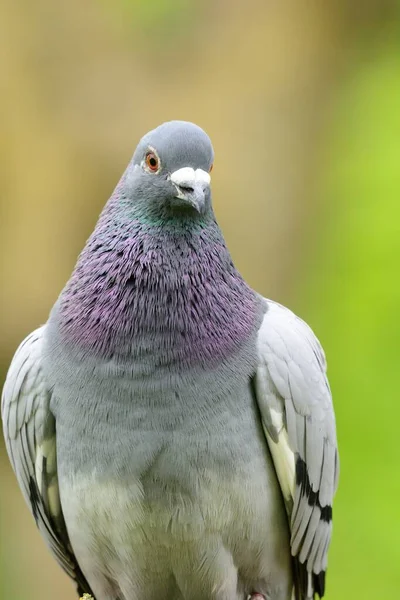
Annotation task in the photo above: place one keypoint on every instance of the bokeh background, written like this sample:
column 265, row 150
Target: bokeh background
column 302, row 101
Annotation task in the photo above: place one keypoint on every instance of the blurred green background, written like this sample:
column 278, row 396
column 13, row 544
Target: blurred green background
column 302, row 102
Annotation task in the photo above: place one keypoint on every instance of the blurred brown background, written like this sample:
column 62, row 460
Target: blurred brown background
column 302, row 102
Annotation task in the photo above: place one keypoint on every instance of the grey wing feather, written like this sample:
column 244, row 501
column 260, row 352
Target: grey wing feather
column 30, row 435
column 295, row 403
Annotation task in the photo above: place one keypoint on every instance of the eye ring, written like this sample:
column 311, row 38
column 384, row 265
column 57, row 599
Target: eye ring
column 152, row 161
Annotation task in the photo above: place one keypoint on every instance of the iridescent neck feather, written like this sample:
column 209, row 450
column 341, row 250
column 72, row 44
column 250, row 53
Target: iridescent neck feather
column 165, row 291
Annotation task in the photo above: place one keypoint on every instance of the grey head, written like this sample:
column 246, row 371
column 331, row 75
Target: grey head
column 169, row 175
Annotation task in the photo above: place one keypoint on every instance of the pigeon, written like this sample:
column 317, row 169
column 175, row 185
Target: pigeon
column 172, row 431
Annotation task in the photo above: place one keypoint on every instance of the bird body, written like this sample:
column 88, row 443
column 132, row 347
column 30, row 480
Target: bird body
column 172, row 430
column 167, row 496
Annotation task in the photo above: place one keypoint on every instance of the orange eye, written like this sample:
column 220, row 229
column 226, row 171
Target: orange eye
column 211, row 168
column 152, row 161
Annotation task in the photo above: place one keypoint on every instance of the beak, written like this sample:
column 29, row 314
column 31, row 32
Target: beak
column 191, row 186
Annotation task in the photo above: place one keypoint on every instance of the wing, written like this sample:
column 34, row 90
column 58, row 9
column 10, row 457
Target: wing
column 30, row 435
column 296, row 408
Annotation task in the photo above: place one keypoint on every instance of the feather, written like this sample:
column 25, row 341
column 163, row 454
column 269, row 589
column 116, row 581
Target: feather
column 26, row 417
column 292, row 361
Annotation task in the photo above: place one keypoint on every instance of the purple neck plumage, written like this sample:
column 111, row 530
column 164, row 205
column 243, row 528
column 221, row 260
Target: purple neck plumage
column 166, row 295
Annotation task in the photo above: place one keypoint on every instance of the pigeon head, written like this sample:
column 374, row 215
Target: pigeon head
column 169, row 175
